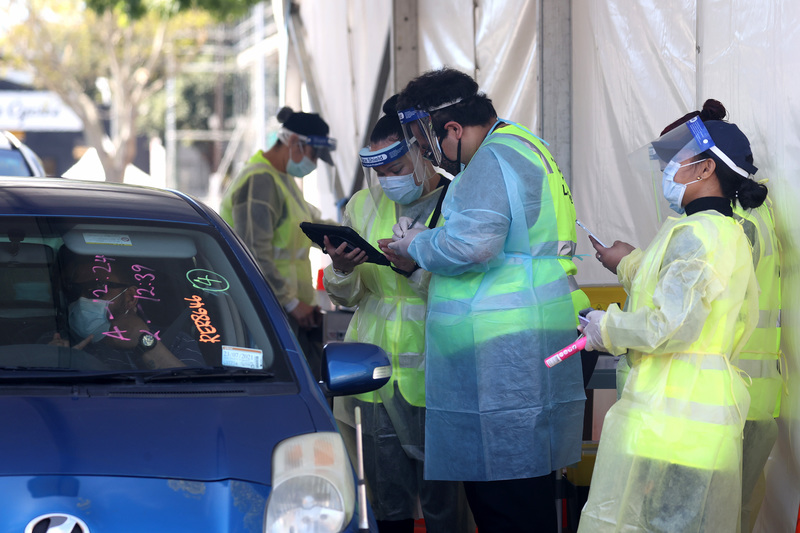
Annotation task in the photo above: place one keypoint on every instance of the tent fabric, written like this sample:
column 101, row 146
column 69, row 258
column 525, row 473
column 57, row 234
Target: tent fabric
column 636, row 67
column 639, row 66
column 345, row 40
column 89, row 168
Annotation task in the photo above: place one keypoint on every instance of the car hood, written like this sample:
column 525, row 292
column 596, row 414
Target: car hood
column 192, row 438
column 121, row 505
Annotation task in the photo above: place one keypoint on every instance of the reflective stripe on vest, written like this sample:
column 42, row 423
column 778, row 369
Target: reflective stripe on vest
column 759, row 357
column 691, row 415
column 290, row 246
column 559, row 192
column 393, row 307
column 694, row 426
column 564, row 209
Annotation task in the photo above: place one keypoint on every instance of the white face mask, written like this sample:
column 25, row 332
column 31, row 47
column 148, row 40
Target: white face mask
column 401, row 189
column 674, row 191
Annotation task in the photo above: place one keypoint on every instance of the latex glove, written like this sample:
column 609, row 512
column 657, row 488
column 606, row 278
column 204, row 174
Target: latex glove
column 594, row 339
column 403, row 263
column 403, row 225
column 400, row 244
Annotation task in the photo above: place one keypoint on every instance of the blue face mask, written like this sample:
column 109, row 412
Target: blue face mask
column 302, row 168
column 89, row 317
column 401, row 189
column 673, row 191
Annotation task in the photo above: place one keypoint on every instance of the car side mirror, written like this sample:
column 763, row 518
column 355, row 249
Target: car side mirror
column 353, row 368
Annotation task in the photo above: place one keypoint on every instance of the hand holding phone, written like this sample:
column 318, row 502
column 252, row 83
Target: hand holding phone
column 584, row 228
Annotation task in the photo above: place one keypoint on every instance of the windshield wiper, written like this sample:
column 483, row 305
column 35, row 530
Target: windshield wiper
column 204, row 372
column 72, row 375
column 36, row 369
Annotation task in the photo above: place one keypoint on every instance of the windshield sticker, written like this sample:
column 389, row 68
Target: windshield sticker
column 206, row 280
column 107, row 238
column 242, row 357
column 201, row 320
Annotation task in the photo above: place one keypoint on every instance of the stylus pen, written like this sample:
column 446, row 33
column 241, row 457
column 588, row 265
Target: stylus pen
column 411, row 225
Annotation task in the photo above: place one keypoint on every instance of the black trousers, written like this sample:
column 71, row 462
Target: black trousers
column 515, row 505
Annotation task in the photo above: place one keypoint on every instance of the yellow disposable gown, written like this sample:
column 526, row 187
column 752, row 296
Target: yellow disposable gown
column 670, row 452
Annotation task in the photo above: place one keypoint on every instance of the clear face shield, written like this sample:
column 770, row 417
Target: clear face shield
column 322, row 145
column 418, row 131
column 658, row 162
column 393, row 170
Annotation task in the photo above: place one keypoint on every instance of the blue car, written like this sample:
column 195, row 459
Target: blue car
column 149, row 379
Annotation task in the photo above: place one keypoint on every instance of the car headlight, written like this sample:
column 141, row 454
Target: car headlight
column 312, row 485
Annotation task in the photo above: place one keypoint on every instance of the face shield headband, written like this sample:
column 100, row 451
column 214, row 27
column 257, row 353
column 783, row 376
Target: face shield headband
column 418, row 128
column 686, row 141
column 383, row 156
column 322, row 144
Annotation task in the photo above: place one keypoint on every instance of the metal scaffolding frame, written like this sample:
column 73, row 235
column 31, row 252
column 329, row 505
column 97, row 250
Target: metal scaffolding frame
column 244, row 54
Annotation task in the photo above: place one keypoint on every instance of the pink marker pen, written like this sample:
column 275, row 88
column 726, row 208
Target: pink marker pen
column 562, row 354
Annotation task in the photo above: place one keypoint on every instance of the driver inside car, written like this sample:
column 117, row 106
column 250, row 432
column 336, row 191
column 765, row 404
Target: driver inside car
column 105, row 319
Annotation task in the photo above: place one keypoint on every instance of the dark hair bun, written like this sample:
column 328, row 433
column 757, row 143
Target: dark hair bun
column 712, row 110
column 284, row 113
column 751, row 194
column 390, row 105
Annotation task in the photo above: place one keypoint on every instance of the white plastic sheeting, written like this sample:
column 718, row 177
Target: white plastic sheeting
column 637, row 65
column 345, row 40
column 497, row 43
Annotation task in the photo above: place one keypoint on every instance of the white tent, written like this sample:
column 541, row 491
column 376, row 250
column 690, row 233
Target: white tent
column 597, row 79
column 89, row 168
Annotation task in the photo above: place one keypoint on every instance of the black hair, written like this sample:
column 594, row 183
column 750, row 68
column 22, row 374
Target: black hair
column 749, row 193
column 302, row 123
column 388, row 126
column 712, row 110
column 437, row 87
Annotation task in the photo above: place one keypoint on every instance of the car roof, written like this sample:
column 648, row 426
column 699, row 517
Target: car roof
column 91, row 199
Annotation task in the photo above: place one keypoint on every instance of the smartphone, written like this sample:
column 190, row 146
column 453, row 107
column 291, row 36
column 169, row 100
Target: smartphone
column 584, row 228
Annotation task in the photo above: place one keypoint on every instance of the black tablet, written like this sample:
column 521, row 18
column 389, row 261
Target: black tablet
column 339, row 234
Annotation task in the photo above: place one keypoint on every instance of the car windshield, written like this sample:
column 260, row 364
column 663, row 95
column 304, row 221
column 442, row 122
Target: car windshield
column 80, row 297
column 13, row 164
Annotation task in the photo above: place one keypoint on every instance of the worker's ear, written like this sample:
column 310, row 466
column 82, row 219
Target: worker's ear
column 707, row 167
column 454, row 127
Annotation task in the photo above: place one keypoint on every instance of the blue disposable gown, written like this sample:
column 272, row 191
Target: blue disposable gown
column 499, row 304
